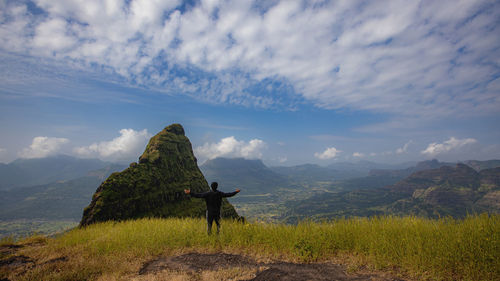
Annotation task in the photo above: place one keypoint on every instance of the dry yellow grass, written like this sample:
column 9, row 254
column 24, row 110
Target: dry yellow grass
column 444, row 249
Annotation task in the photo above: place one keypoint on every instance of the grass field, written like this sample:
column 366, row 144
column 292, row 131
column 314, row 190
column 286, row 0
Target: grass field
column 444, row 249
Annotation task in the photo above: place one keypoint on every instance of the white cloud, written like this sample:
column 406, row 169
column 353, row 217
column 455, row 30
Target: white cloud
column 51, row 36
column 129, row 145
column 449, row 145
column 329, row 153
column 282, row 159
column 2, row 150
column 404, row 149
column 231, row 147
column 358, row 154
column 405, row 57
column 42, row 147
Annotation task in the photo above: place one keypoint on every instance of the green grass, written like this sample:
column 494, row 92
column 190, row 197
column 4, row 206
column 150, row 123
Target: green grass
column 444, row 249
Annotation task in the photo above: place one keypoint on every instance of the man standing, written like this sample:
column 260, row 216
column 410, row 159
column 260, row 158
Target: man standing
column 213, row 199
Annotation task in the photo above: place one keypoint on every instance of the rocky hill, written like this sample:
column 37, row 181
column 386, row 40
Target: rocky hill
column 455, row 191
column 154, row 186
column 403, row 173
column 482, row 165
column 446, row 191
column 459, row 176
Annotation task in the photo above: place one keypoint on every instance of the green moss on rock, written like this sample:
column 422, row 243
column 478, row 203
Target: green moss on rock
column 154, row 187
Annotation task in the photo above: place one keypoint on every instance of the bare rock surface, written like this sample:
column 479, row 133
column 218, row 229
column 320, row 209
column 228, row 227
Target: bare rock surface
column 283, row 271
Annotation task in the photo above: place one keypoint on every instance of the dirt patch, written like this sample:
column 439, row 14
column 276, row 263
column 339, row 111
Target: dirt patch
column 197, row 262
column 320, row 272
column 10, row 261
column 54, row 260
column 18, row 264
column 16, row 261
column 293, row 271
column 8, row 249
column 14, row 264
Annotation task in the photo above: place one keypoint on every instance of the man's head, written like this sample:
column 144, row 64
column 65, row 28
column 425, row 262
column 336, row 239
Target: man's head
column 214, row 186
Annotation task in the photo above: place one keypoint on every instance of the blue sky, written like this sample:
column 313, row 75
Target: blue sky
column 288, row 82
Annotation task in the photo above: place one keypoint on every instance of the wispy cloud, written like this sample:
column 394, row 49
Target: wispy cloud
column 125, row 147
column 404, row 149
column 43, row 146
column 408, row 58
column 434, row 148
column 282, row 159
column 329, row 153
column 358, row 155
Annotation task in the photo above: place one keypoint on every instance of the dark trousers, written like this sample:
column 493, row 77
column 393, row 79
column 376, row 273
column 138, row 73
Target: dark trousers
column 211, row 217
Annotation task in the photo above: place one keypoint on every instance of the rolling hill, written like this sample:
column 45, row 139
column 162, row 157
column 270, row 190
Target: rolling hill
column 61, row 200
column 446, row 191
column 250, row 175
column 39, row 171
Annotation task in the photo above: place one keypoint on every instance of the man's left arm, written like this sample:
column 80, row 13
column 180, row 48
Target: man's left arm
column 230, row 194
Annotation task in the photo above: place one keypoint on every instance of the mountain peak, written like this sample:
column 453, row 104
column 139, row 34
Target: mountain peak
column 431, row 164
column 164, row 144
column 175, row 129
column 155, row 186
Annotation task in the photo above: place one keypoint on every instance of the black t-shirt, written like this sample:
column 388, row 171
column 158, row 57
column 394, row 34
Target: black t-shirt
column 213, row 199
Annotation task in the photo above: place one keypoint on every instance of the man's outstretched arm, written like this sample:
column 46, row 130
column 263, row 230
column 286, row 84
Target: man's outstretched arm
column 230, row 194
column 193, row 194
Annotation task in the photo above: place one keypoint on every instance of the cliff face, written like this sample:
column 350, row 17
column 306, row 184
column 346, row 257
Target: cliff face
column 154, row 187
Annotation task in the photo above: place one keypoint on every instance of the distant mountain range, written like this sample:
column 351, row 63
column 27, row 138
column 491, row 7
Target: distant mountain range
column 428, row 188
column 59, row 200
column 367, row 166
column 250, row 175
column 333, row 172
column 434, row 164
column 39, row 171
column 60, row 187
column 255, row 177
column 445, row 191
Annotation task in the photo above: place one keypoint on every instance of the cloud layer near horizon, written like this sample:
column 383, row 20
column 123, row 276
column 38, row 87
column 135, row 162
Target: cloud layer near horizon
column 329, row 153
column 129, row 145
column 435, row 148
column 231, row 147
column 42, row 147
column 126, row 147
column 404, row 57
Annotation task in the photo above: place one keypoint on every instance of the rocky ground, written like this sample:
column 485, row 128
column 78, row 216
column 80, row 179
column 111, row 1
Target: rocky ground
column 194, row 264
column 202, row 266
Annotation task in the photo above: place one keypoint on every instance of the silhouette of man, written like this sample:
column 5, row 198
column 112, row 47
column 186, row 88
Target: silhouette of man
column 213, row 199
